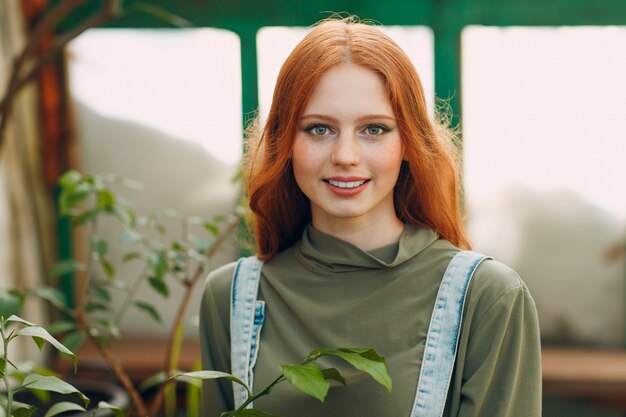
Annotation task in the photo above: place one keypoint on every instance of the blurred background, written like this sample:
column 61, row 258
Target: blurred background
column 538, row 87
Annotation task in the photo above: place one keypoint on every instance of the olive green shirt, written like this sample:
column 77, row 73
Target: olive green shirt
column 326, row 292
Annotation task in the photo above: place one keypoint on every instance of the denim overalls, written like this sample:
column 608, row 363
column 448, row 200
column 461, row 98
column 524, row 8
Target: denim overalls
column 248, row 314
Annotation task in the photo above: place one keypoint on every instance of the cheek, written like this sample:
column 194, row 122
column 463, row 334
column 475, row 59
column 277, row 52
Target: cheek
column 297, row 155
column 389, row 159
column 301, row 161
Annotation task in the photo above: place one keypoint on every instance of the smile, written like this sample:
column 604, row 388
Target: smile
column 346, row 184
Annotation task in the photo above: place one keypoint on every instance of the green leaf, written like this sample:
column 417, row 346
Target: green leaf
column 87, row 215
column 308, row 378
column 3, row 365
column 165, row 212
column 10, row 305
column 99, row 245
column 150, row 309
column 119, row 284
column 72, row 195
column 201, row 245
column 22, row 410
column 253, row 412
column 202, row 375
column 74, row 340
column 108, row 267
column 126, row 214
column 101, row 292
column 3, row 412
column 159, row 286
column 16, row 319
column 117, row 412
column 153, row 381
column 70, row 178
column 54, row 384
column 67, row 267
column 61, row 326
column 38, row 333
column 130, row 236
column 105, row 200
column 212, row 228
column 131, row 255
column 363, row 359
column 332, row 373
column 53, row 295
column 95, row 306
column 62, row 407
column 126, row 182
column 367, row 353
column 158, row 263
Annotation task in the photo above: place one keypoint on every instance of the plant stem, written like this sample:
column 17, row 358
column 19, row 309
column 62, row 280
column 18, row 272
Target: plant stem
column 171, row 346
column 81, row 317
column 180, row 315
column 252, row 398
column 81, row 292
column 129, row 296
column 266, row 391
column 121, row 375
column 5, row 374
column 112, row 361
column 185, row 233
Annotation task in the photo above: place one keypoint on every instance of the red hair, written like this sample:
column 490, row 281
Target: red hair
column 427, row 191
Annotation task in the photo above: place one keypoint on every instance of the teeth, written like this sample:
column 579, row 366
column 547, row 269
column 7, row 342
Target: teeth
column 349, row 184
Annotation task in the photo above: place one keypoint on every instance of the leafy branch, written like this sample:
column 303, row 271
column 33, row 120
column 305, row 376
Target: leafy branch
column 307, row 376
column 88, row 200
column 34, row 381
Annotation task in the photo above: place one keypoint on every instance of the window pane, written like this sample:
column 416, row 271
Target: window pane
column 545, row 171
column 185, row 83
column 162, row 107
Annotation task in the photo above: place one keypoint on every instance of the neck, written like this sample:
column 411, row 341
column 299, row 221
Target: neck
column 364, row 235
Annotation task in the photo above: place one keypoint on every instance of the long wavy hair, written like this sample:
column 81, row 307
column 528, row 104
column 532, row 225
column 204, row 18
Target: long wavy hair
column 427, row 191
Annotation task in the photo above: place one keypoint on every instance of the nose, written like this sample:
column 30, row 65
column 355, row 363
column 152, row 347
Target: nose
column 346, row 150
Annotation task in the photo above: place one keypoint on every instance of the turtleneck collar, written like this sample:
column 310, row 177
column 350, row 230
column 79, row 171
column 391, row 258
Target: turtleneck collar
column 325, row 253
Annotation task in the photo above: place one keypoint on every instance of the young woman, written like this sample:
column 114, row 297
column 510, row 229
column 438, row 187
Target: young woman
column 354, row 192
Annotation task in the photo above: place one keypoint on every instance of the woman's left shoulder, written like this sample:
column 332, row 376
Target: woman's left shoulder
column 494, row 281
column 497, row 275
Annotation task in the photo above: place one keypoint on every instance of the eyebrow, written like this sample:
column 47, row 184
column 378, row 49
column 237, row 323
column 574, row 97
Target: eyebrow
column 332, row 119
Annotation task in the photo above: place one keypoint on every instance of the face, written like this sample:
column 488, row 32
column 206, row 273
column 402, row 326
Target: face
column 347, row 153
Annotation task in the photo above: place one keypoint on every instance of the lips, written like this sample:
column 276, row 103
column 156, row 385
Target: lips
column 346, row 186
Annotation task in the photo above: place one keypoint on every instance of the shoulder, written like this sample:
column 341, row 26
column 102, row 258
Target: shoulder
column 218, row 282
column 496, row 278
column 495, row 285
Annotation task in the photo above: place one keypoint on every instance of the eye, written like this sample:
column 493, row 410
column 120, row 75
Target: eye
column 318, row 130
column 375, row 130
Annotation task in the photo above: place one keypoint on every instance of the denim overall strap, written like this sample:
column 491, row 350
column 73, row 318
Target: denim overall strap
column 443, row 336
column 246, row 319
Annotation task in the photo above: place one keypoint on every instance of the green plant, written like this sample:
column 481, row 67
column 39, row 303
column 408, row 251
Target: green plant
column 16, row 379
column 307, row 376
column 166, row 257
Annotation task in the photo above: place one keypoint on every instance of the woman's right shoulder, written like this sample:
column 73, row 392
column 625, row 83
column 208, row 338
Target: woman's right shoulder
column 219, row 280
